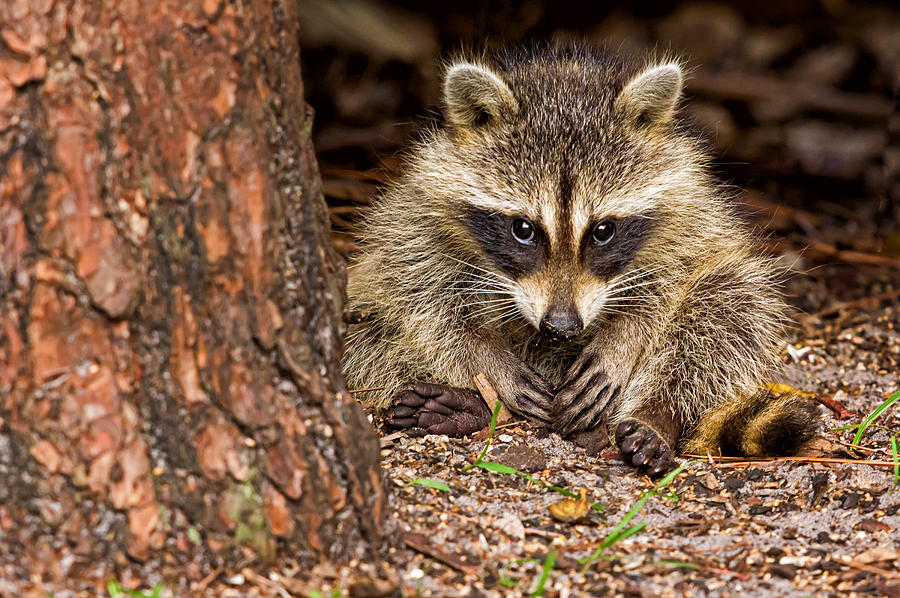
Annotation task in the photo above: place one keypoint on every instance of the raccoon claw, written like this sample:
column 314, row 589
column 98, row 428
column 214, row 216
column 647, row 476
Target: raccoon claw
column 583, row 401
column 642, row 447
column 438, row 409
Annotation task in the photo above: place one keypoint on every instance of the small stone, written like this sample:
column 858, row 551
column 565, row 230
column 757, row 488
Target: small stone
column 872, row 525
column 784, row 571
column 523, row 458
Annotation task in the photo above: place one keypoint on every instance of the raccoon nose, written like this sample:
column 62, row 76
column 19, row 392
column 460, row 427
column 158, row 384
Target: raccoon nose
column 562, row 322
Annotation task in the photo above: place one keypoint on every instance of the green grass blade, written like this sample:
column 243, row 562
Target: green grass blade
column 844, row 428
column 429, row 483
column 617, row 534
column 490, row 437
column 498, row 468
column 545, row 573
column 495, row 467
column 614, row 535
column 634, row 529
column 876, row 413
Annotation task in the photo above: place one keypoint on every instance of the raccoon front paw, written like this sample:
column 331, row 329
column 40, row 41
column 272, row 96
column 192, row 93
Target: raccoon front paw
column 533, row 397
column 439, row 409
column 584, row 400
column 642, row 447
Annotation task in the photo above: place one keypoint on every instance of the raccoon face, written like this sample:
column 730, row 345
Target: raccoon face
column 561, row 282
column 560, row 222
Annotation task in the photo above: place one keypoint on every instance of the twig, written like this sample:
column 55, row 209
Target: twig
column 366, row 389
column 868, row 568
column 419, row 543
column 839, row 410
column 856, row 446
column 390, row 438
column 717, row 571
column 728, row 462
column 854, row 257
column 260, row 580
column 748, row 87
column 487, row 390
column 200, row 587
column 491, row 397
column 895, row 294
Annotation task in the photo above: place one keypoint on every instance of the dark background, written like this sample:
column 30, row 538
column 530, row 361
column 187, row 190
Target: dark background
column 797, row 99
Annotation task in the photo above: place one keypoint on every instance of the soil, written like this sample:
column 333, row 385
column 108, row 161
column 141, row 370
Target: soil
column 773, row 528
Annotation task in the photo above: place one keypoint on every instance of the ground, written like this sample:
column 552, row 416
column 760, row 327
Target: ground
column 775, row 528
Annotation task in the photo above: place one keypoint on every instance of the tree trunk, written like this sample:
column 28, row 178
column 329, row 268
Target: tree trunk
column 170, row 386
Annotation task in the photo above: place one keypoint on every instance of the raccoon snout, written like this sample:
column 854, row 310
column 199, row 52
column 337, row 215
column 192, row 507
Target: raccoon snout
column 562, row 322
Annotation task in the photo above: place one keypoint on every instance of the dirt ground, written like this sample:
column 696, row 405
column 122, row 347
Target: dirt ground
column 773, row 528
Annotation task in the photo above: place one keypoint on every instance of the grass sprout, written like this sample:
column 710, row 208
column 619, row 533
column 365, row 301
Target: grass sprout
column 500, row 468
column 429, row 483
column 875, row 414
column 545, row 573
column 117, row 591
column 622, row 529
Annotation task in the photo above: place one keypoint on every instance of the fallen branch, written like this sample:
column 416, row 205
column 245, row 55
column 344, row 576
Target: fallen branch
column 420, row 543
column 839, row 410
column 748, row 461
column 749, row 87
column 895, row 294
column 868, row 568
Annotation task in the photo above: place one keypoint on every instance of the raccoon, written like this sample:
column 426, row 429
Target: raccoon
column 562, row 234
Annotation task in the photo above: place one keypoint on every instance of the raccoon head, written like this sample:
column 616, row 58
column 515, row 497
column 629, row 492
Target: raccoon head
column 563, row 168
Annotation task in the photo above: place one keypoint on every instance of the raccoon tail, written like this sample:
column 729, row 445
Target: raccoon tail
column 765, row 424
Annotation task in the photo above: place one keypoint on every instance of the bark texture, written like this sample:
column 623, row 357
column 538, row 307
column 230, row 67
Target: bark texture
column 170, row 383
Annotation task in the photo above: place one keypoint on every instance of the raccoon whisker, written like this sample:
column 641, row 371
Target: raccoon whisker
column 479, row 268
column 502, row 316
column 485, row 281
column 524, row 324
column 623, row 278
column 493, row 278
column 505, row 300
column 478, row 290
column 621, row 290
column 630, row 297
column 484, row 284
column 491, row 309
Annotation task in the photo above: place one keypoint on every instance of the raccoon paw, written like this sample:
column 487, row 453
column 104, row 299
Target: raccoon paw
column 438, row 409
column 533, row 397
column 585, row 397
column 642, row 447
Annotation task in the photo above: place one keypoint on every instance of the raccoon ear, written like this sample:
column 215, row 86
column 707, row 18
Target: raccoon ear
column 650, row 98
column 476, row 96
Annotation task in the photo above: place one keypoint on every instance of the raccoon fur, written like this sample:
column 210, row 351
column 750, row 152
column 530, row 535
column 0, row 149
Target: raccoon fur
column 562, row 234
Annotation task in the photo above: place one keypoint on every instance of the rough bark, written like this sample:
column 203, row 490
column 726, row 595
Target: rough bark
column 170, row 387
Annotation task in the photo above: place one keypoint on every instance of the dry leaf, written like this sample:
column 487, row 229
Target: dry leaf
column 570, row 509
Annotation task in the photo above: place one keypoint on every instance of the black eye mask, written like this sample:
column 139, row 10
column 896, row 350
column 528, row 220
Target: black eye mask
column 494, row 232
column 607, row 260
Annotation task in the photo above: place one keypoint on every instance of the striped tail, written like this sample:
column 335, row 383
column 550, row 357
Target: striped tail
column 764, row 425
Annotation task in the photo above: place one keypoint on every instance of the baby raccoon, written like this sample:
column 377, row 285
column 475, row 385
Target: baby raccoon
column 561, row 233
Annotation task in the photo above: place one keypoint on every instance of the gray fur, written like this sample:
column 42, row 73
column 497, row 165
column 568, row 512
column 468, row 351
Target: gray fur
column 692, row 320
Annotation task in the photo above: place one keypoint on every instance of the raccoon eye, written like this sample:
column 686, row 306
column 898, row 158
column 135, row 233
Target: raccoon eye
column 603, row 233
column 523, row 231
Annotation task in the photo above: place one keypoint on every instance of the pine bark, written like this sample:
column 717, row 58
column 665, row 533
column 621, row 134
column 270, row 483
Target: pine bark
column 170, row 302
